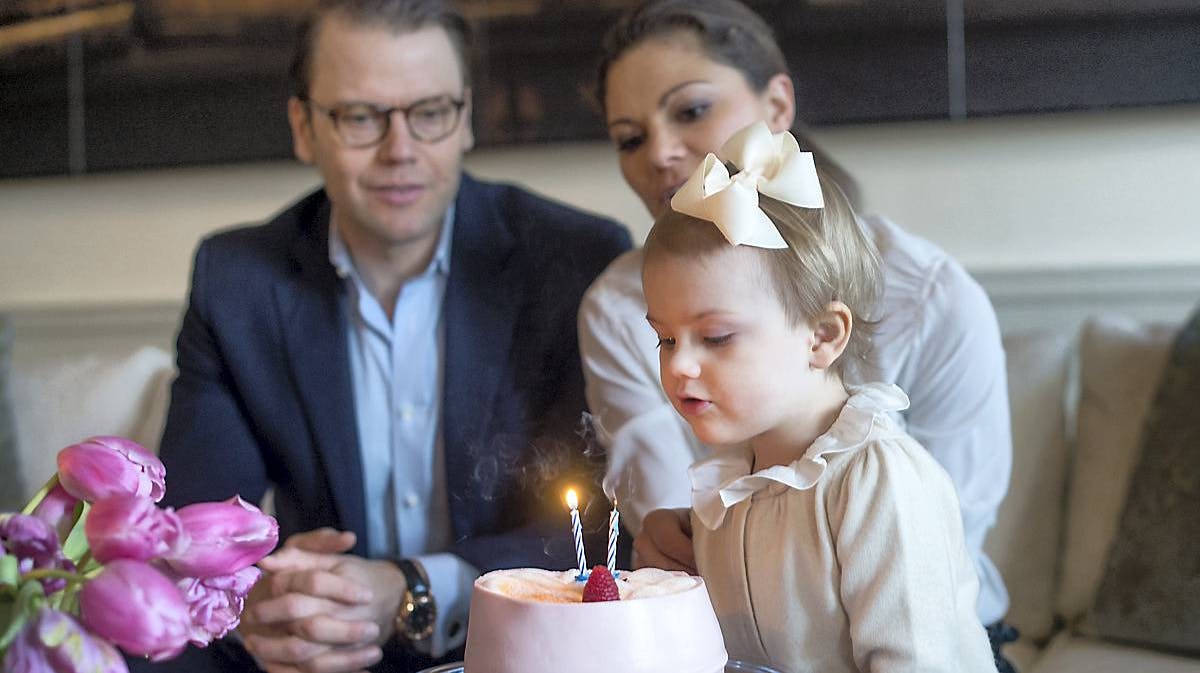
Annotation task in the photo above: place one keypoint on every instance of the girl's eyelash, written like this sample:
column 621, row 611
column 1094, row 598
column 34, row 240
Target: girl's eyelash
column 718, row 340
column 665, row 341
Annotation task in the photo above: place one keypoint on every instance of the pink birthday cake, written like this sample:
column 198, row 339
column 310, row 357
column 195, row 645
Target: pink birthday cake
column 536, row 621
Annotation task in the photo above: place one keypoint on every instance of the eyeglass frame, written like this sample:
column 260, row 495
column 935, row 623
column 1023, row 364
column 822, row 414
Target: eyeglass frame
column 386, row 114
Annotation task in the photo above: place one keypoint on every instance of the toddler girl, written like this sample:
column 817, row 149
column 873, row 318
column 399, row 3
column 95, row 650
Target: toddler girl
column 830, row 540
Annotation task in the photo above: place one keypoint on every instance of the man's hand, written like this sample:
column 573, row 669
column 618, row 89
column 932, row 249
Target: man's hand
column 318, row 610
column 666, row 541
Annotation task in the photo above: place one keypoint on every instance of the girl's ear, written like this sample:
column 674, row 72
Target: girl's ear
column 830, row 335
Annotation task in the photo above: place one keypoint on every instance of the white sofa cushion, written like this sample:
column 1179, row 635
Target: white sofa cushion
column 1120, row 363
column 1073, row 654
column 61, row 400
column 1024, row 543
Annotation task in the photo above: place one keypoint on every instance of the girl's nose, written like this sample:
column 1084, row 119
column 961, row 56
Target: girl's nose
column 683, row 364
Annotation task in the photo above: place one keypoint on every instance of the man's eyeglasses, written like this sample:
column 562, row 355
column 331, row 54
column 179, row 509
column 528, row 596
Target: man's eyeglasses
column 363, row 125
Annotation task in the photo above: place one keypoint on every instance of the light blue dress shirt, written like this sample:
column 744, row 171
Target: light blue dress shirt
column 396, row 371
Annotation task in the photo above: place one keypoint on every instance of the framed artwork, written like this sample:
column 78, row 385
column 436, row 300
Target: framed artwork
column 100, row 85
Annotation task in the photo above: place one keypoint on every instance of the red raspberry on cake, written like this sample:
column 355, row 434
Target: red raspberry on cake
column 600, row 587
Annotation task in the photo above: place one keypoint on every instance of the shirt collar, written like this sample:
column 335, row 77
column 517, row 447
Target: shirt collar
column 725, row 479
column 343, row 261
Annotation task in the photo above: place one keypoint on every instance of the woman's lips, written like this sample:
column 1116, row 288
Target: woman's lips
column 668, row 193
column 693, row 405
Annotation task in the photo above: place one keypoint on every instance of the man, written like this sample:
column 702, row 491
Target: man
column 395, row 354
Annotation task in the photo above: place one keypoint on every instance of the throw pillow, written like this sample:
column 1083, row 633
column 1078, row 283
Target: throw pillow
column 1150, row 594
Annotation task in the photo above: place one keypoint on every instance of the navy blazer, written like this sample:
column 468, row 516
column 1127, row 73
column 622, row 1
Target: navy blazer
column 264, row 398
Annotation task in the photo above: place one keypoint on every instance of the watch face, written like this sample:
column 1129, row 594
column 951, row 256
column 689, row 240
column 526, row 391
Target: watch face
column 419, row 618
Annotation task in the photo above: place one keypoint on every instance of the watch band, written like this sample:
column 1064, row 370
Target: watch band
column 418, row 611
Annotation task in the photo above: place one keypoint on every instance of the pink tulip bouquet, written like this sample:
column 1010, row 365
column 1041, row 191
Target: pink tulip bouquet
column 93, row 564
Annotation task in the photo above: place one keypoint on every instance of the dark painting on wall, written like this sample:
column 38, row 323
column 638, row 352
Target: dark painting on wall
column 96, row 85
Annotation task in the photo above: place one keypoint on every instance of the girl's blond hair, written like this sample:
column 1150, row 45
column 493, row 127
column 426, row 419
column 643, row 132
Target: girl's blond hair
column 828, row 258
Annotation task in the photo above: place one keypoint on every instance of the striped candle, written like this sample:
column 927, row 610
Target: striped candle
column 614, row 518
column 577, row 533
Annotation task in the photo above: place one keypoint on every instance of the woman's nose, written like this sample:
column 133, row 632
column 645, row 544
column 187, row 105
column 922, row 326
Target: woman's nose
column 665, row 148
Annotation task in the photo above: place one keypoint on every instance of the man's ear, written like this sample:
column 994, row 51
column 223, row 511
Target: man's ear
column 779, row 100
column 301, row 123
column 831, row 333
column 469, row 135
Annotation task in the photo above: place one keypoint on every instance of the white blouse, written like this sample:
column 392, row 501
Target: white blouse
column 850, row 559
column 937, row 338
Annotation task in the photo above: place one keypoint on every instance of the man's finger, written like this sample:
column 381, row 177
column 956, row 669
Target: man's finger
column 343, row 661
column 294, row 558
column 282, row 610
column 322, row 628
column 323, row 541
column 320, row 584
column 282, row 650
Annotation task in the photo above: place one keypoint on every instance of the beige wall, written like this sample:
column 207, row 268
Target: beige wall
column 1101, row 189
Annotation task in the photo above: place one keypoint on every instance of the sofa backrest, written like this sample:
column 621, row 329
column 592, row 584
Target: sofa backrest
column 1024, row 542
column 65, row 398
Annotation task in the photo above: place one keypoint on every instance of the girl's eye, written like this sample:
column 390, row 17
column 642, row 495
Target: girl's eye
column 666, row 342
column 692, row 112
column 718, row 340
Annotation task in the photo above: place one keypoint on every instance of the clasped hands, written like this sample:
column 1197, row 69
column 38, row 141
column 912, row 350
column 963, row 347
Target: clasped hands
column 320, row 610
column 665, row 541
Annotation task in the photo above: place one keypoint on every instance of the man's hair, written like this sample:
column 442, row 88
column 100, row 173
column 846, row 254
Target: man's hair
column 401, row 16
column 828, row 258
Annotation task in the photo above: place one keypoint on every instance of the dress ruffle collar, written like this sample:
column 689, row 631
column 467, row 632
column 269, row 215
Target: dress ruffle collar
column 724, row 480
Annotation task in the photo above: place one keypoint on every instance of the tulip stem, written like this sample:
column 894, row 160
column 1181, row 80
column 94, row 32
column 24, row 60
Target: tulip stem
column 41, row 494
column 50, row 573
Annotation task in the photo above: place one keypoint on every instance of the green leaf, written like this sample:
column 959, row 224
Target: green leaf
column 29, row 601
column 76, row 544
column 41, row 494
column 10, row 573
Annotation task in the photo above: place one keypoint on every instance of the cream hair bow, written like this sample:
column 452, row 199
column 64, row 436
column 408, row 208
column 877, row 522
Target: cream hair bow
column 768, row 164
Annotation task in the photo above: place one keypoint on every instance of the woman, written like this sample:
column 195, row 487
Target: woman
column 677, row 78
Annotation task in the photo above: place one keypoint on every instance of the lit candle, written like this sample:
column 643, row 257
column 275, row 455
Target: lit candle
column 613, row 530
column 577, row 533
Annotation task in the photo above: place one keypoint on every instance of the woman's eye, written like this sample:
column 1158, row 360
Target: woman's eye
column 629, row 144
column 666, row 342
column 693, row 112
column 718, row 340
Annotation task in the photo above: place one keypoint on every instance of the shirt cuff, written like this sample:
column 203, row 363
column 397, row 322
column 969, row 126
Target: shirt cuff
column 451, row 580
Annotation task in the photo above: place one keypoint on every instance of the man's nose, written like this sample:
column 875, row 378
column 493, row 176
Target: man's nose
column 397, row 144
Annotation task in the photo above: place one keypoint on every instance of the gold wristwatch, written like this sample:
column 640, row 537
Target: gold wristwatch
column 418, row 612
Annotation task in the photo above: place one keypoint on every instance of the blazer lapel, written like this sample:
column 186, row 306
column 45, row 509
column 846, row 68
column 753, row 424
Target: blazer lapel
column 315, row 336
column 482, row 302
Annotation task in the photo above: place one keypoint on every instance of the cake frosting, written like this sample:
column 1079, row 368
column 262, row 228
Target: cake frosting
column 529, row 620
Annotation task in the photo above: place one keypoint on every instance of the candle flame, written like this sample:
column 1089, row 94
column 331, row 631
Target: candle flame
column 572, row 499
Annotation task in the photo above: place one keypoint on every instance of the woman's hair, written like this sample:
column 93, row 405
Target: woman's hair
column 828, row 258
column 401, row 16
column 728, row 33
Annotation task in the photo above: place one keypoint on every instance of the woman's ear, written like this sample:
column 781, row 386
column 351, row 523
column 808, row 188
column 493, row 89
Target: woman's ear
column 779, row 101
column 831, row 333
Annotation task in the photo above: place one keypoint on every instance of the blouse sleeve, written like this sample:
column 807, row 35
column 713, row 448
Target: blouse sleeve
column 960, row 412
column 907, row 582
column 649, row 446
